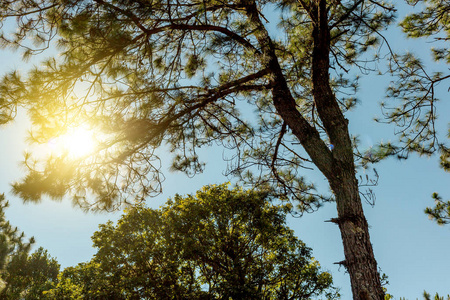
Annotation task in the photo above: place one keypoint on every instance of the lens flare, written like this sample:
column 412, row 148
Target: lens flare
column 77, row 142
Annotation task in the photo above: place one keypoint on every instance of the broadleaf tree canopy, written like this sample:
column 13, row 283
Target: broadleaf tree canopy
column 220, row 243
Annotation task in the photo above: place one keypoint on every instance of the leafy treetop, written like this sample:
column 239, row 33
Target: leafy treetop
column 217, row 244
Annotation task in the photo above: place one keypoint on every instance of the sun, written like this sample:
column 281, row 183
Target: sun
column 76, row 142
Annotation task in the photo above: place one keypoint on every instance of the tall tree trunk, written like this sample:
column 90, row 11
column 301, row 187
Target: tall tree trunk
column 359, row 258
column 338, row 164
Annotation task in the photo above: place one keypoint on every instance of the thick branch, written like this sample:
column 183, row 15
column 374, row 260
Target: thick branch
column 211, row 96
column 285, row 103
column 328, row 108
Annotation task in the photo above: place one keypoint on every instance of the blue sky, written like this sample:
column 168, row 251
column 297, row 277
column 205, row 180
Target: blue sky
column 409, row 248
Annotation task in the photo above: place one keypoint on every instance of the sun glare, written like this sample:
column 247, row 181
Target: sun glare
column 77, row 142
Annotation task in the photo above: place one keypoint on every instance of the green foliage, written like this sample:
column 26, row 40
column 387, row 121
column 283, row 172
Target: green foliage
column 416, row 88
column 388, row 297
column 189, row 74
column 217, row 244
column 36, row 275
column 426, row 296
column 445, row 156
column 440, row 212
column 65, row 290
column 84, row 281
column 22, row 276
column 432, row 19
column 124, row 69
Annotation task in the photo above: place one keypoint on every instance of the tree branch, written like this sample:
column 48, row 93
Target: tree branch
column 284, row 102
column 184, row 27
column 347, row 14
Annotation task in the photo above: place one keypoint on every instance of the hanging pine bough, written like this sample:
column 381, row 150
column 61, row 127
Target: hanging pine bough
column 417, row 89
column 148, row 73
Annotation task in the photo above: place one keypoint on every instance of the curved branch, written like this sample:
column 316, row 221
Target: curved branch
column 212, row 96
column 347, row 14
column 184, row 27
column 285, row 103
column 39, row 10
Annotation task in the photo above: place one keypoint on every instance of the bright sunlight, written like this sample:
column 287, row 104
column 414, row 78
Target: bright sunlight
column 77, row 142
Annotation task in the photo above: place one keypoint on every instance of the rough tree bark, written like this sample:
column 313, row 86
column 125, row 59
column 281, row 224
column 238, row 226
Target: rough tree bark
column 338, row 164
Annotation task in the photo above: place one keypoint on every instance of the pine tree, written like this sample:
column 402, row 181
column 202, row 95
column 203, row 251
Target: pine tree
column 440, row 212
column 182, row 74
column 427, row 296
column 417, row 86
column 22, row 275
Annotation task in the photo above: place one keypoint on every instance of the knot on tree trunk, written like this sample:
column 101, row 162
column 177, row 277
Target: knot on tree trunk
column 342, row 263
column 355, row 219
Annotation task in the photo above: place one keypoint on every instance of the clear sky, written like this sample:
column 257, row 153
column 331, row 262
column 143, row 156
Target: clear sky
column 409, row 248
